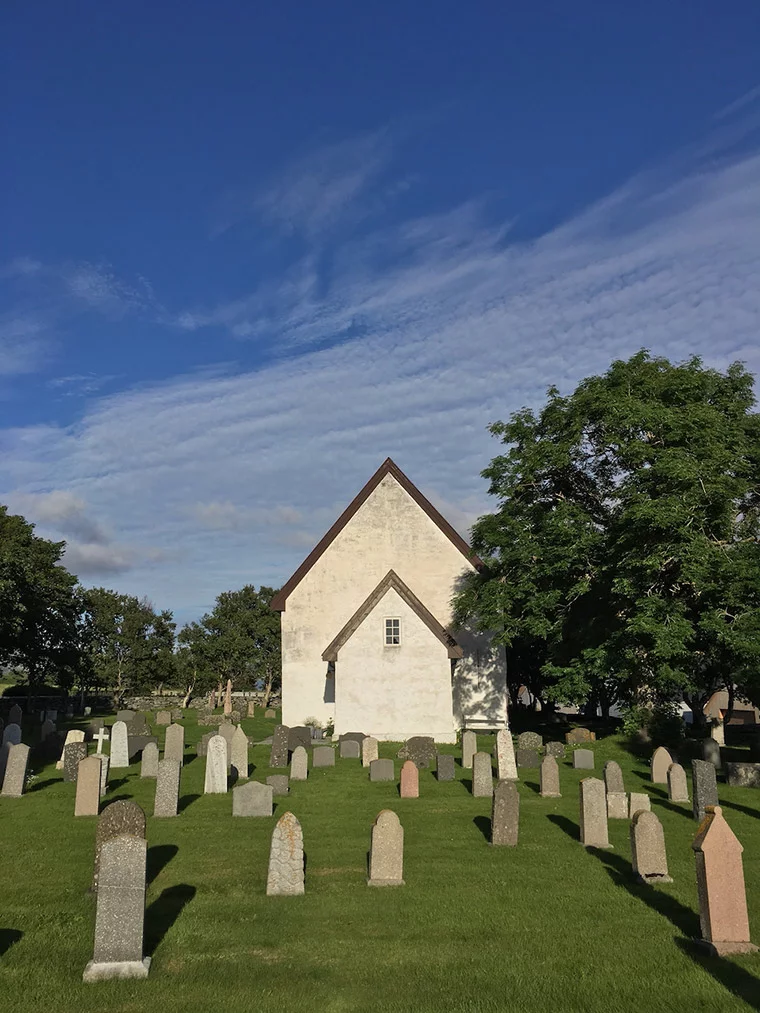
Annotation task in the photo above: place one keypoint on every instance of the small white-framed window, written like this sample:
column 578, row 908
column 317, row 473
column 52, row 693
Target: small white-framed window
column 392, row 632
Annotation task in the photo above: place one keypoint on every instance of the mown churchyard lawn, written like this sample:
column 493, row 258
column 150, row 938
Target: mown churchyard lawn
column 544, row 926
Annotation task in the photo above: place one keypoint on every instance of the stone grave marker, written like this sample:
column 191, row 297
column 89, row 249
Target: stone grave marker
column 704, row 786
column 678, row 789
column 410, row 780
column 382, row 770
column 638, row 802
column 648, row 857
column 250, row 710
column 72, row 735
column 528, row 758
column 72, row 754
column 123, row 817
column 15, row 770
column 149, row 762
column 350, row 750
column 136, row 744
column 504, row 750
column 323, row 756
column 167, row 788
column 286, row 873
column 174, row 743
column 469, row 748
column 15, row 716
column 555, row 749
column 201, row 747
column 530, row 740
column 164, row 718
column 386, row 853
column 593, row 813
column 579, row 736
column 227, row 730
column 720, row 886
column 711, row 752
column 583, row 759
column 661, row 760
column 743, row 775
column 613, row 778
column 105, row 763
column 100, row 736
column 46, row 729
column 120, row 913
column 240, row 754
column 549, row 778
column 270, row 714
column 444, row 767
column 119, row 745
column 299, row 736
column 617, row 805
column 216, row 767
column 279, row 784
column 87, row 802
column 252, row 799
column 482, row 776
column 421, row 749
column 279, row 754
column 299, row 764
column 505, row 814
column 127, row 716
column 228, row 698
column 355, row 736
column 51, row 715
column 370, row 747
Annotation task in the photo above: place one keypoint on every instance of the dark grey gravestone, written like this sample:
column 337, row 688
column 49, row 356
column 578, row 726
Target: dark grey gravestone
column 72, row 754
column 201, row 748
column 743, row 775
column 167, row 788
column 323, row 756
column 705, row 787
column 136, row 744
column 505, row 814
column 120, row 913
column 527, row 758
column 583, row 759
column 252, row 799
column 530, row 740
column 350, row 750
column 299, row 736
column 279, row 754
column 421, row 749
column 711, row 752
column 140, row 724
column 354, row 736
column 555, row 749
column 118, row 818
column 278, row 783
column 445, row 767
column 381, row 770
column 126, row 716
column 15, row 715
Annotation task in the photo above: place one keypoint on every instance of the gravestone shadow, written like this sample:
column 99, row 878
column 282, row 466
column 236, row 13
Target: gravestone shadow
column 163, row 913
column 124, row 797
column 533, row 786
column 733, row 978
column 570, row 828
column 158, row 857
column 185, row 801
column 483, row 823
column 8, row 937
column 661, row 799
column 118, row 782
column 43, row 784
column 467, row 782
column 645, row 775
column 741, row 808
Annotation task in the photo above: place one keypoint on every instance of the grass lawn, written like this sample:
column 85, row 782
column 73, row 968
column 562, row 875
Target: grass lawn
column 544, row 927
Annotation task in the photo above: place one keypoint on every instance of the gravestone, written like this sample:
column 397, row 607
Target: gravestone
column 482, row 776
column 505, row 814
column 228, row 698
column 286, row 873
column 661, row 760
column 504, row 750
column 72, row 735
column 105, row 763
column 46, row 729
column 299, row 736
column 593, row 813
column 549, row 778
column 469, row 748
column 126, row 716
column 444, row 767
column 136, row 744
column 279, row 784
column 323, row 756
column 14, row 778
column 100, row 736
column 530, row 740
column 354, row 736
column 278, row 757
column 527, row 758
column 386, row 852
column 121, row 817
column 711, row 752
column 579, row 736
column 120, row 914
column 270, row 714
column 174, row 743
column 164, row 718
column 350, row 750
column 299, row 764
column 617, row 805
column 370, row 748
column 743, row 775
column 201, row 747
column 678, row 789
column 583, row 759
column 15, row 715
column 638, row 802
column 149, row 762
column 119, row 745
column 252, row 799
column 420, row 749
column 167, row 788
column 240, row 754
column 250, row 711
column 382, row 770
column 555, row 749
column 216, row 767
column 704, row 786
column 410, row 780
column 139, row 725
column 72, row 754
column 720, row 885
column 648, row 857
column 613, row 778
column 87, row 802
column 227, row 730
column 51, row 715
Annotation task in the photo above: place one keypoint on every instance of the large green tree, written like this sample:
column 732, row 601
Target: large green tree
column 623, row 559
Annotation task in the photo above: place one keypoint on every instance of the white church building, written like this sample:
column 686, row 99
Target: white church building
column 367, row 636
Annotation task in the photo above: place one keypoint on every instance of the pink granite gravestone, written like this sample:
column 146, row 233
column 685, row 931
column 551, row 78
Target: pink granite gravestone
column 410, row 780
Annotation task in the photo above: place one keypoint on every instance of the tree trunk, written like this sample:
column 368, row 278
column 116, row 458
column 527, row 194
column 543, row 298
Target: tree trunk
column 188, row 696
column 731, row 702
column 268, row 687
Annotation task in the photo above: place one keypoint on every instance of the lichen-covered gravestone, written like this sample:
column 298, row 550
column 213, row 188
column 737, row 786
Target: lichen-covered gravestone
column 530, row 740
column 482, row 776
column 105, row 764
column 382, row 770
column 504, row 750
column 299, row 764
column 420, row 749
column 72, row 754
column 555, row 749
column 278, row 756
column 617, row 805
column 239, row 754
column 216, row 767
column 583, row 759
column 638, row 802
column 72, row 735
column 87, row 802
column 648, row 857
column 678, row 789
column 15, row 770
column 323, row 756
column 227, row 730
column 469, row 748
column 704, row 786
column 505, row 814
column 174, row 743
column 370, row 750
column 743, row 775
column 410, row 780
column 579, row 736
column 167, row 788
column 299, row 736
column 164, row 718
column 286, row 873
column 119, row 745
column 121, row 817
column 252, row 799
column 386, row 853
column 661, row 760
column 549, row 778
column 445, row 767
column 149, row 761
column 593, row 813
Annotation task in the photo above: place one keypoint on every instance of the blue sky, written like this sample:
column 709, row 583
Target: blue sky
column 251, row 250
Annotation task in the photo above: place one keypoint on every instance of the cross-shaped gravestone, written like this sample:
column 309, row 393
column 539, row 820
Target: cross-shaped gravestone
column 100, row 738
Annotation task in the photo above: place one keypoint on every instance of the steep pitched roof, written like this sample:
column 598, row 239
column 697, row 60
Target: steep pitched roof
column 391, row 580
column 388, row 467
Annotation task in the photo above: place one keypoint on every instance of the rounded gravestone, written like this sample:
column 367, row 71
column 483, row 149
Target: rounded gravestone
column 530, row 740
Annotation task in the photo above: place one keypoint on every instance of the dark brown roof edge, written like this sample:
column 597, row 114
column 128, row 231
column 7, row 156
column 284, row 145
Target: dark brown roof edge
column 388, row 467
column 391, row 580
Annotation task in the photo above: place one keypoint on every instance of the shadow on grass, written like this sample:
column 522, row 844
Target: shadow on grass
column 163, row 913
column 118, row 782
column 533, row 786
column 660, row 798
column 570, row 828
column 158, row 858
column 483, row 823
column 645, row 775
column 44, row 784
column 7, row 938
column 186, row 801
column 733, row 978
column 120, row 798
column 467, row 782
column 741, row 808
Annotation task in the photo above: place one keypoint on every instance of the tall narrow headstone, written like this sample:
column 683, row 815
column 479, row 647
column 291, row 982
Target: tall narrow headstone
column 72, row 735
column 369, row 750
column 613, row 778
column 216, row 766
column 410, row 780
column 549, row 778
column 72, row 754
column 482, row 776
column 720, row 885
column 711, row 752
column 505, row 813
column 469, row 748
column 227, row 730
column 251, row 709
column 240, row 754
column 149, row 761
column 47, row 728
column 119, row 745
column 15, row 715
column 120, row 913
column 386, row 852
column 252, row 799
column 704, row 786
column 228, row 698
column 504, row 748
column 444, row 767
column 174, row 743
column 661, row 760
column 87, row 802
column 286, row 873
column 278, row 756
column 167, row 788
column 105, row 764
column 593, row 813
column 123, row 817
column 648, row 857
column 678, row 789
column 15, row 770
column 299, row 764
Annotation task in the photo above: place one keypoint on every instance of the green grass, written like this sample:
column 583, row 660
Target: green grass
column 544, row 927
